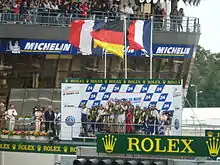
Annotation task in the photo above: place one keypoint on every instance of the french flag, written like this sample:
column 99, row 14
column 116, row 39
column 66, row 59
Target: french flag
column 139, row 35
column 80, row 36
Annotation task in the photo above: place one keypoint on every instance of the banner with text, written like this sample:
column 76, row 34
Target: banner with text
column 17, row 46
column 34, row 147
column 158, row 145
column 212, row 133
column 165, row 95
column 20, row 46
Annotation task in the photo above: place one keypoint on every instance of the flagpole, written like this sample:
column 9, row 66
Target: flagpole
column 125, row 49
column 151, row 47
column 105, row 54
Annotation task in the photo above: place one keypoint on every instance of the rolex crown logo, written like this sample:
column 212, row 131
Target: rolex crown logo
column 213, row 146
column 14, row 146
column 65, row 149
column 38, row 148
column 210, row 134
column 109, row 143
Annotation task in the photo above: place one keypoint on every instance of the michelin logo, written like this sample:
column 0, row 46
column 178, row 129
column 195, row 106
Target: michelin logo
column 47, row 46
column 173, row 50
column 15, row 49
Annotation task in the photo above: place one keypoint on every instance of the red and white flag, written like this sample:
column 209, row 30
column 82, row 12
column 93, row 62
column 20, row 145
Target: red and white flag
column 80, row 36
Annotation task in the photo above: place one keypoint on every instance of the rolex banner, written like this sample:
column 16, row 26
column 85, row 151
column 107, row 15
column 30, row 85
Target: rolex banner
column 37, row 147
column 215, row 133
column 158, row 145
column 165, row 95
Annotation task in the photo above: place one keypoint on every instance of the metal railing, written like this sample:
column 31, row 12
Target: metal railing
column 96, row 127
column 55, row 18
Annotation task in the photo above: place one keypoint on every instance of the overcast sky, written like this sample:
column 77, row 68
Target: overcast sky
column 209, row 13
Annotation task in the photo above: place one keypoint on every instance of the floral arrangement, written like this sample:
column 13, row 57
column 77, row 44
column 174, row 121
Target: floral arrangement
column 24, row 133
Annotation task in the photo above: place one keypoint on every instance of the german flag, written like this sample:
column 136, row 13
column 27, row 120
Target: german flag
column 110, row 36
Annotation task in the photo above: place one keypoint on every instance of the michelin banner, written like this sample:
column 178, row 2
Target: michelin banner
column 37, row 47
column 17, row 46
column 165, row 96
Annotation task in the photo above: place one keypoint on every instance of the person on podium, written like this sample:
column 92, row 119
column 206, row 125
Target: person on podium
column 84, row 119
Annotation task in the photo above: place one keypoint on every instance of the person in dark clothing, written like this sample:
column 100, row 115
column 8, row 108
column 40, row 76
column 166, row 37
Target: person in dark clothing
column 49, row 118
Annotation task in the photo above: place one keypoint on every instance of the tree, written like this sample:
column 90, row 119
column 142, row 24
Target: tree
column 206, row 75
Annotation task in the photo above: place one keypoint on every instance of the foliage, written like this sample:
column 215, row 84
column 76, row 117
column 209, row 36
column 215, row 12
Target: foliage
column 206, row 75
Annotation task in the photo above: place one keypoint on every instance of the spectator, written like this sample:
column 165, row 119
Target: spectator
column 158, row 18
column 11, row 115
column 49, row 120
column 180, row 19
column 129, row 10
column 173, row 18
column 84, row 8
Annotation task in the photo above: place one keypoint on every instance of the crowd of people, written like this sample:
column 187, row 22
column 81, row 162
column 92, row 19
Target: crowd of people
column 117, row 116
column 57, row 9
column 47, row 120
column 121, row 116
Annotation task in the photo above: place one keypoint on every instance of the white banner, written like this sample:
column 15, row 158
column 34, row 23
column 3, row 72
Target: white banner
column 70, row 112
column 164, row 97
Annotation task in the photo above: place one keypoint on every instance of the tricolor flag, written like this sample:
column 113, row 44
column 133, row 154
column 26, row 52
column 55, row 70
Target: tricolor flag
column 139, row 35
column 87, row 34
column 81, row 38
column 110, row 36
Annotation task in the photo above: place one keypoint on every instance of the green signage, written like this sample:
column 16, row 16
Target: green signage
column 212, row 133
column 123, row 81
column 158, row 145
column 53, row 148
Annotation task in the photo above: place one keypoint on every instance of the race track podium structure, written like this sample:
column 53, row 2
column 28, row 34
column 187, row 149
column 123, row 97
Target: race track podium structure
column 165, row 95
column 51, row 58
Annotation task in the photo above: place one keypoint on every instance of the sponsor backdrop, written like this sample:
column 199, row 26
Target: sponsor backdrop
column 158, row 145
column 166, row 95
column 18, row 46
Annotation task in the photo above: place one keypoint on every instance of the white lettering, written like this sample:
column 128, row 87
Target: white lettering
column 29, row 46
column 173, row 50
column 52, row 46
column 160, row 50
column 40, row 46
column 47, row 46
column 36, row 45
column 57, row 48
column 66, row 47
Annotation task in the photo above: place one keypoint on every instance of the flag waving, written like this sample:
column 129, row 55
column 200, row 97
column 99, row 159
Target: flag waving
column 90, row 36
column 110, row 37
column 139, row 35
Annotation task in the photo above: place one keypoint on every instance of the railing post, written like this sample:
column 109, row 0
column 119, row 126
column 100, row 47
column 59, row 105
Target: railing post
column 187, row 24
column 194, row 25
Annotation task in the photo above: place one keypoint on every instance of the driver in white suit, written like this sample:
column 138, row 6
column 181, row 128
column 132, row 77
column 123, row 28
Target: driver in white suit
column 11, row 116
